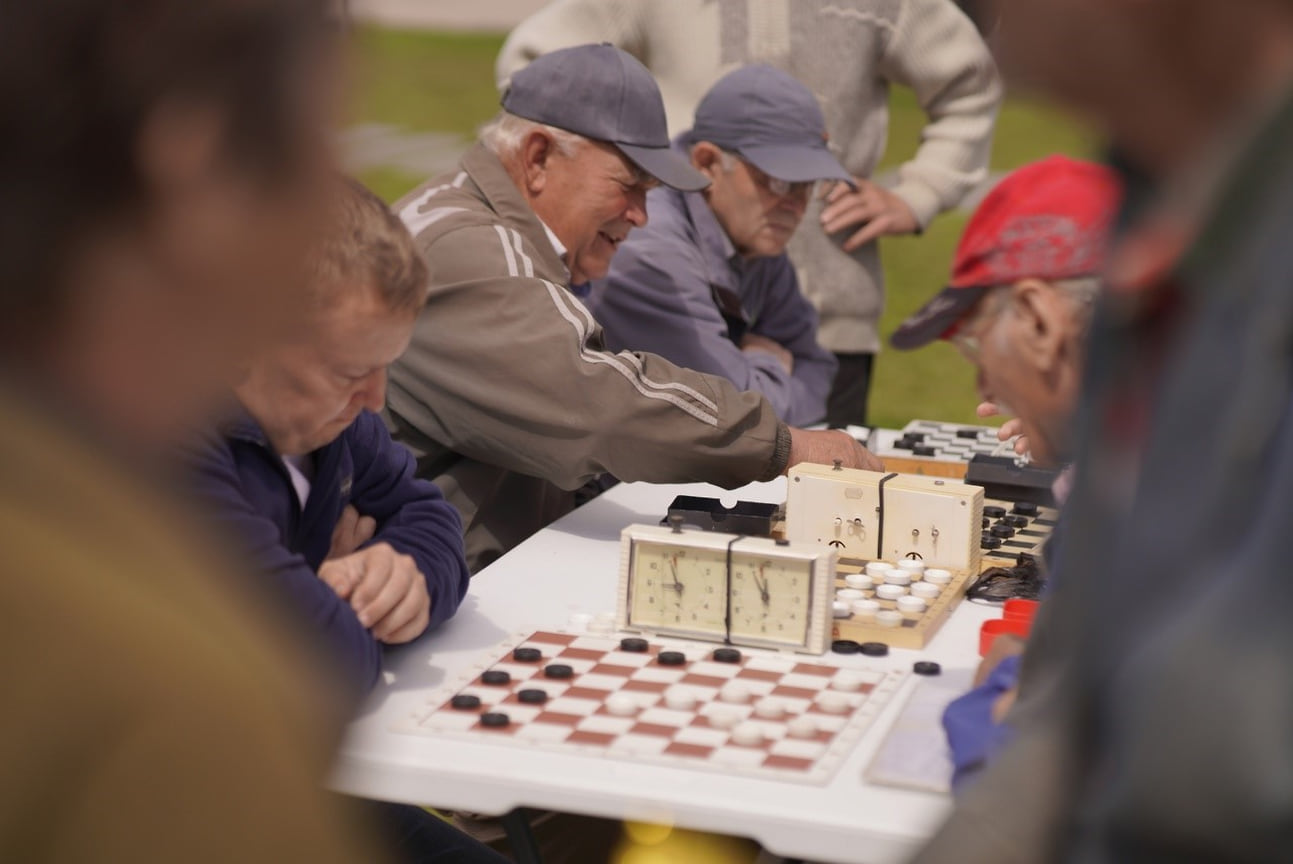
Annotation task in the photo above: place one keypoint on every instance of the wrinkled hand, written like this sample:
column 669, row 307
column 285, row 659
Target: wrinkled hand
column 1011, row 428
column 352, row 531
column 755, row 342
column 386, row 590
column 877, row 210
column 823, row 447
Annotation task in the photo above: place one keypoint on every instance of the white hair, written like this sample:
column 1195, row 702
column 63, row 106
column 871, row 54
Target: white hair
column 504, row 135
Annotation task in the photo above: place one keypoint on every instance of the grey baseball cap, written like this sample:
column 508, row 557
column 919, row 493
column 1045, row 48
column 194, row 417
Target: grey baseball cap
column 603, row 93
column 772, row 120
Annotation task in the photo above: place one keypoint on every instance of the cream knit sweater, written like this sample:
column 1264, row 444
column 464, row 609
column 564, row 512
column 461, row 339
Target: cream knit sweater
column 847, row 52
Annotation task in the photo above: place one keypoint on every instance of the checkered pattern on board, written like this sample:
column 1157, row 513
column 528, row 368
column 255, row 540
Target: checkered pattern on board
column 576, row 718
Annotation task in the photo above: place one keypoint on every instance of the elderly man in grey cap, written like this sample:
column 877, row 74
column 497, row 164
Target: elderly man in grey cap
column 508, row 395
column 708, row 284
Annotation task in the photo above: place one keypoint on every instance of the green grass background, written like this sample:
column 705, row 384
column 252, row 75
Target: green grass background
column 444, row 82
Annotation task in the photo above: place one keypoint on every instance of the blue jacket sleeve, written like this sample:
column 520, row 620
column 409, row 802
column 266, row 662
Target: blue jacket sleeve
column 657, row 298
column 326, row 620
column 967, row 720
column 788, row 319
column 412, row 516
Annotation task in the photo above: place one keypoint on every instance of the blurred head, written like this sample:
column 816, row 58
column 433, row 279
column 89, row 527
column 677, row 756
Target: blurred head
column 760, row 138
column 1026, row 273
column 583, row 136
column 159, row 160
column 1163, row 78
column 1027, row 341
column 366, row 284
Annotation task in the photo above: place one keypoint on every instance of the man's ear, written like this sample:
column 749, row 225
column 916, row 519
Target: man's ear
column 707, row 159
column 536, row 150
column 1040, row 324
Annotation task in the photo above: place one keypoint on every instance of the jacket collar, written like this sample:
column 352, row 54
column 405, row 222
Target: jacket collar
column 501, row 195
column 721, row 259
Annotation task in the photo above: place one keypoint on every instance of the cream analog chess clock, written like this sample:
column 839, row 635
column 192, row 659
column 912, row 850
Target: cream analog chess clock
column 723, row 587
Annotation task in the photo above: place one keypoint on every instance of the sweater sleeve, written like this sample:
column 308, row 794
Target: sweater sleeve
column 936, row 50
column 509, row 369
column 565, row 23
column 658, row 298
column 286, row 577
column 411, row 514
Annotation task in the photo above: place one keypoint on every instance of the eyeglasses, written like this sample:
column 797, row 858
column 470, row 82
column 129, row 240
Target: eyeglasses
column 968, row 338
column 775, row 185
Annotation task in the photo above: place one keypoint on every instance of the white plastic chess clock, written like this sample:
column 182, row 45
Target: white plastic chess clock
column 723, row 587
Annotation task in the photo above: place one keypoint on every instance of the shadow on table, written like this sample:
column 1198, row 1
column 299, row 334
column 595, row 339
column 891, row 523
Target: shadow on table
column 604, row 521
column 468, row 630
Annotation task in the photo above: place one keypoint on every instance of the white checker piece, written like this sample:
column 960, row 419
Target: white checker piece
column 437, row 719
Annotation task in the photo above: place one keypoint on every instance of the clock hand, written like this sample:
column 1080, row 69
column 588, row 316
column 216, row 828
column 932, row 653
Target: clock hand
column 761, row 581
column 673, row 566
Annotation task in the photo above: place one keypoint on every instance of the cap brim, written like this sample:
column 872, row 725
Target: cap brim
column 797, row 164
column 936, row 318
column 666, row 165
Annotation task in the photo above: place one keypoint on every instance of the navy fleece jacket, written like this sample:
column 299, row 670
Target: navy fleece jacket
column 245, row 488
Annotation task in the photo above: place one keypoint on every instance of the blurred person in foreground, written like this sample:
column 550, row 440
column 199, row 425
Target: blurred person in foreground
column 707, row 282
column 849, row 53
column 1165, row 736
column 159, row 161
column 1018, row 307
column 507, row 394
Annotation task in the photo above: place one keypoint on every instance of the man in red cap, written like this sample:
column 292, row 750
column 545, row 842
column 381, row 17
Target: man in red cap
column 1023, row 283
column 1025, row 276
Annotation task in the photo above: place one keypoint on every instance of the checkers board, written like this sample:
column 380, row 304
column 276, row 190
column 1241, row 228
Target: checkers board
column 764, row 714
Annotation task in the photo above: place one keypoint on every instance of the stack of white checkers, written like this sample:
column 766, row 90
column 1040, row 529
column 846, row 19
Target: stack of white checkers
column 663, row 701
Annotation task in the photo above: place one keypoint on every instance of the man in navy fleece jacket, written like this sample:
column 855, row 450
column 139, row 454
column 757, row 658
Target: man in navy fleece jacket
column 305, row 476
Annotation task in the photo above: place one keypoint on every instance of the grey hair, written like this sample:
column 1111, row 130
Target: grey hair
column 504, row 134
column 1082, row 292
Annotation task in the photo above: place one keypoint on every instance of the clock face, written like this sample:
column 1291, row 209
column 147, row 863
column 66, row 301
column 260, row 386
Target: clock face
column 679, row 588
column 771, row 599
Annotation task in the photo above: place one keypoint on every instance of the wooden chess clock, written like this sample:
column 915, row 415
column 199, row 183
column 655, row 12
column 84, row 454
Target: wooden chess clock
column 874, row 516
column 738, row 590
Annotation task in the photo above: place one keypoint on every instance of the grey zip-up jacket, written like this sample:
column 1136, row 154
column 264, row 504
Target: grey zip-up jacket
column 508, row 396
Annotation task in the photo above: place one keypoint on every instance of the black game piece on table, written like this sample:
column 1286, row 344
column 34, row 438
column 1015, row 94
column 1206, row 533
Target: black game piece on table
column 465, row 702
column 845, row 646
column 926, row 667
column 967, row 433
column 992, row 511
column 1015, row 521
column 634, row 644
column 987, row 541
column 986, row 522
column 527, row 655
column 874, row 649
column 557, row 670
column 1025, row 508
column 727, row 655
column 495, row 676
column 924, row 450
column 494, row 719
column 671, row 658
column 1002, row 530
column 531, row 696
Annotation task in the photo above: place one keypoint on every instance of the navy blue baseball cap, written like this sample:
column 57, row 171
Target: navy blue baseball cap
column 603, row 93
column 771, row 120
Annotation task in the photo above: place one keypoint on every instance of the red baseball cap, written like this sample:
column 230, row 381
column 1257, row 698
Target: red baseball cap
column 1048, row 220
